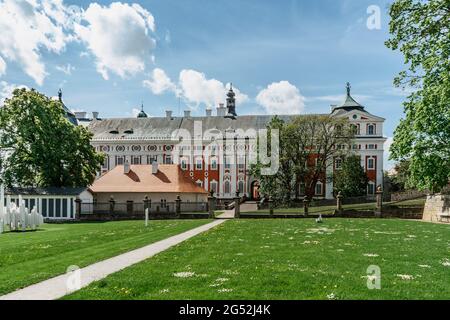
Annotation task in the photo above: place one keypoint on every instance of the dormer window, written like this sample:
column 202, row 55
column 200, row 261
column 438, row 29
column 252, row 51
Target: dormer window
column 114, row 131
column 371, row 129
column 129, row 131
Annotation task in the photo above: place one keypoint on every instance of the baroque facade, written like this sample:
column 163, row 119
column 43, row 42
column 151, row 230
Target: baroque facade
column 202, row 146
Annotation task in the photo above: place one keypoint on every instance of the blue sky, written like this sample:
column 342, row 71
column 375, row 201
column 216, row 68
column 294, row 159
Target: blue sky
column 308, row 49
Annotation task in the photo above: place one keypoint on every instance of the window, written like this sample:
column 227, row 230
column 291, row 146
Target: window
column 214, row 164
column 241, row 163
column 136, row 160
column 241, row 186
column 151, row 159
column 105, row 165
column 302, row 188
column 371, row 129
column 371, row 188
column 319, row 188
column 338, row 163
column 227, row 162
column 372, row 146
column 198, row 164
column 163, row 203
column 199, row 183
column 120, row 160
column 168, row 159
column 227, row 187
column 355, row 129
column 371, row 163
column 184, row 164
column 213, row 186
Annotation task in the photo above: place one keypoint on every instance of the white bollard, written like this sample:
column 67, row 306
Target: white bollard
column 146, row 217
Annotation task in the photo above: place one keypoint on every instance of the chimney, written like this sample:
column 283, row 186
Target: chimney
column 80, row 114
column 221, row 110
column 187, row 113
column 94, row 115
column 208, row 112
column 154, row 167
column 126, row 167
column 169, row 114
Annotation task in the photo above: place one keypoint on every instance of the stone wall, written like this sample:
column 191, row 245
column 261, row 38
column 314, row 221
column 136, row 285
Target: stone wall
column 437, row 208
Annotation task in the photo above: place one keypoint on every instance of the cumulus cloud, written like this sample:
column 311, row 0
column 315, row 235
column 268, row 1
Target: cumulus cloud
column 2, row 66
column 119, row 37
column 197, row 89
column 193, row 86
column 159, row 82
column 6, row 90
column 281, row 98
column 29, row 26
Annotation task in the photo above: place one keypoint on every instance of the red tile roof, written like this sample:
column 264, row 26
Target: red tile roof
column 169, row 178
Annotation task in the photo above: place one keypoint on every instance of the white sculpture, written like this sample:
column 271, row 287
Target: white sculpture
column 17, row 218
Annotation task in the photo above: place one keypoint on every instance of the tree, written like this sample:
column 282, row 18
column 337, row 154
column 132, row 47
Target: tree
column 307, row 147
column 400, row 181
column 314, row 142
column 44, row 148
column 350, row 179
column 420, row 30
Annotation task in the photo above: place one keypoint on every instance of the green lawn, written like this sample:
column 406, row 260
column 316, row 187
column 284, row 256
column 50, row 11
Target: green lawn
column 30, row 257
column 330, row 209
column 292, row 259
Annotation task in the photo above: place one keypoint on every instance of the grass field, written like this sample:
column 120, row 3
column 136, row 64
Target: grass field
column 330, row 209
column 292, row 259
column 30, row 257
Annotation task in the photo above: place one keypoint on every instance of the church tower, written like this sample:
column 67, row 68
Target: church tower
column 231, row 103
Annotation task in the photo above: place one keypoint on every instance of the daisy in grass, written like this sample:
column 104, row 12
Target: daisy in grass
column 371, row 255
column 223, row 290
column 186, row 274
column 446, row 263
column 424, row 266
column 405, row 276
column 331, row 296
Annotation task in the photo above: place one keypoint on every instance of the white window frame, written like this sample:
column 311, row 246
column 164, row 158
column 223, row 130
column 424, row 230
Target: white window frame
column 370, row 167
column 197, row 162
column 336, row 162
column 213, row 162
column 318, row 184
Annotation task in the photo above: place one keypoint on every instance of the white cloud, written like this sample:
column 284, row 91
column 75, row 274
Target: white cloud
column 6, row 90
column 29, row 26
column 2, row 66
column 135, row 112
column 67, row 69
column 159, row 82
column 281, row 98
column 193, row 86
column 197, row 89
column 119, row 36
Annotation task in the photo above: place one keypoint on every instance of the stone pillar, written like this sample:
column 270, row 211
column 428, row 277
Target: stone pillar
column 129, row 207
column 270, row 206
column 237, row 206
column 178, row 206
column 379, row 197
column 339, row 202
column 211, row 204
column 305, row 205
column 77, row 208
column 112, row 203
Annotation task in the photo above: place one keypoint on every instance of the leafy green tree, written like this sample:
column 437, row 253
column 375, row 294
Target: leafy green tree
column 44, row 149
column 420, row 30
column 400, row 181
column 351, row 180
column 307, row 147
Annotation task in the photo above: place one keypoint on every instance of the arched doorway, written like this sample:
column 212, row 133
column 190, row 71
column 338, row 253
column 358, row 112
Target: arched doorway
column 254, row 190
